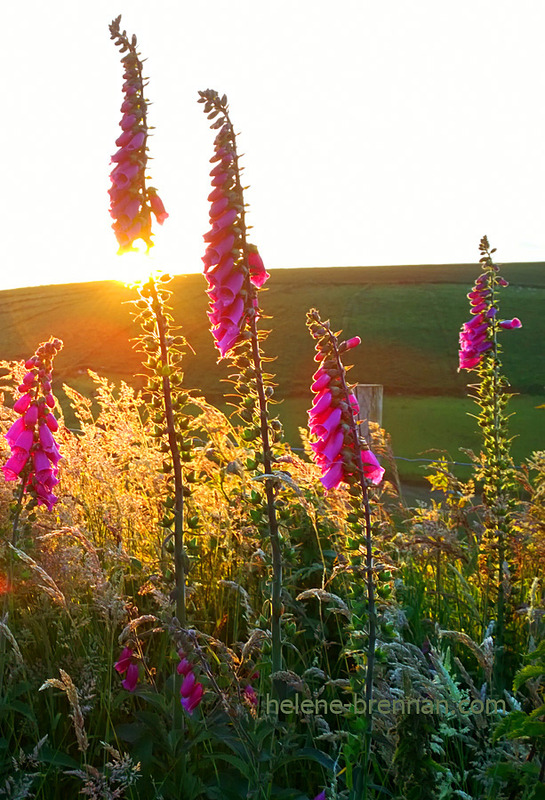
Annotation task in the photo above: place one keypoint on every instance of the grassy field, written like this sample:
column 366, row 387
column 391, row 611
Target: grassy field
column 420, row 426
column 408, row 318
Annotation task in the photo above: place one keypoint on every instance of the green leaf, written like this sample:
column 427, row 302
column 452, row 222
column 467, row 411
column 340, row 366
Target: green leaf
column 380, row 789
column 20, row 708
column 506, row 771
column 538, row 652
column 20, row 688
column 243, row 766
column 130, row 731
column 57, row 759
column 237, row 788
column 308, row 754
column 530, row 671
column 517, row 725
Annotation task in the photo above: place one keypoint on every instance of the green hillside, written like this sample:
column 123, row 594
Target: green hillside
column 407, row 317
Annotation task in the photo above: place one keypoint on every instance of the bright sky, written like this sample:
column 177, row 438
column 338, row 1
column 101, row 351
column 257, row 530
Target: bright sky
column 375, row 132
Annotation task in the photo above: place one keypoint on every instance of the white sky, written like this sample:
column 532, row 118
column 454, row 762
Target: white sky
column 375, row 131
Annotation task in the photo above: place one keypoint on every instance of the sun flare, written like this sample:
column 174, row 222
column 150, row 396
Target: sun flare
column 135, row 267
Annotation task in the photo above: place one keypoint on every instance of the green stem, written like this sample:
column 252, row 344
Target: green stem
column 179, row 567
column 276, row 553
column 365, row 512
column 496, row 469
column 496, row 389
column 18, row 510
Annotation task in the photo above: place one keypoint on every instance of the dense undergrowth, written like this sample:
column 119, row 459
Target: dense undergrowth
column 96, row 574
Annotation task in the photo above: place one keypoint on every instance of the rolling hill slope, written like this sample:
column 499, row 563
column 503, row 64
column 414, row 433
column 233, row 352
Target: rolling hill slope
column 407, row 317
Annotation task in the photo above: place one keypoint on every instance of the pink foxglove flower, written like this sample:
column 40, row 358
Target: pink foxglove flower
column 250, row 695
column 478, row 334
column 232, row 267
column 509, row 324
column 132, row 202
column 34, row 451
column 337, row 450
column 127, row 663
column 191, row 691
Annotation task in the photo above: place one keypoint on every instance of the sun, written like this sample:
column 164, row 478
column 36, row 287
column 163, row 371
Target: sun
column 135, row 267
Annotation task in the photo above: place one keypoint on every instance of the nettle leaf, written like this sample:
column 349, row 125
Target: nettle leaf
column 531, row 671
column 532, row 728
column 538, row 712
column 540, row 649
column 519, row 725
column 507, row 771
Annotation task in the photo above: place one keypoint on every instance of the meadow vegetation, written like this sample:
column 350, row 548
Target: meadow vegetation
column 96, row 574
column 415, row 361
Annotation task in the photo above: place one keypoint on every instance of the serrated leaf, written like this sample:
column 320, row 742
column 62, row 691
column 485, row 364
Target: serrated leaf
column 530, row 671
column 539, row 651
column 517, row 725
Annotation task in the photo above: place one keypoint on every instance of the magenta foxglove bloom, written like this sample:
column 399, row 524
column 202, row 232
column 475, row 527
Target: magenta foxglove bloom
column 333, row 414
column 353, row 342
column 127, row 663
column 371, row 467
column 233, row 268
column 477, row 335
column 34, row 451
column 191, row 691
column 250, row 695
column 132, row 203
column 509, row 324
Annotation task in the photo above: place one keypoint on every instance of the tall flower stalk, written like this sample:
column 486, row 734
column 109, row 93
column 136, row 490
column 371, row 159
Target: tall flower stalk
column 132, row 204
column 235, row 272
column 34, row 452
column 480, row 352
column 132, row 201
column 164, row 352
column 344, row 457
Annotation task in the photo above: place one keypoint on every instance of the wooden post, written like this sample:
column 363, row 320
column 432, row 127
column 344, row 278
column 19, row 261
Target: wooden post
column 369, row 397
